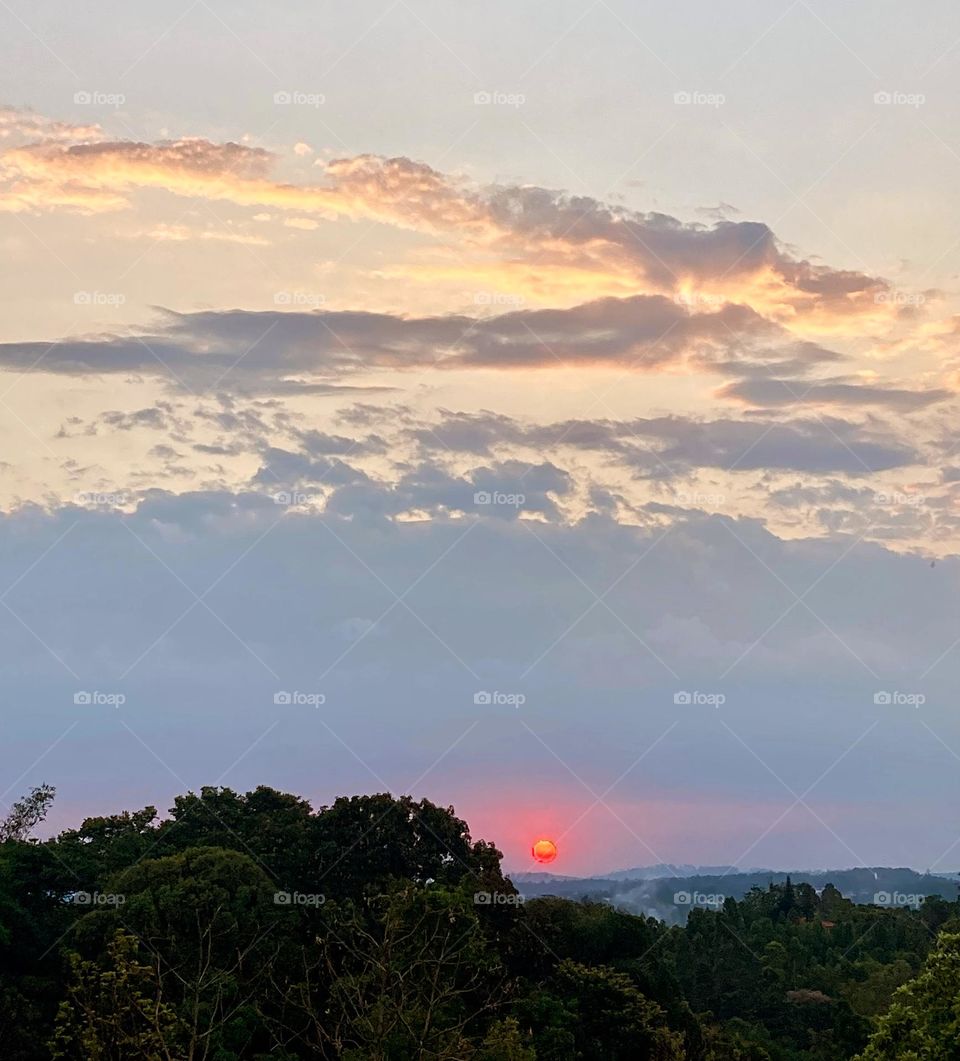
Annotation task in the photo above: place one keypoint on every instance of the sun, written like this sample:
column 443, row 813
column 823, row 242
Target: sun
column 544, row 850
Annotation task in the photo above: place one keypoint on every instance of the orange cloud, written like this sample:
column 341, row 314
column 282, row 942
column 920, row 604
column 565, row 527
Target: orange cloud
column 541, row 244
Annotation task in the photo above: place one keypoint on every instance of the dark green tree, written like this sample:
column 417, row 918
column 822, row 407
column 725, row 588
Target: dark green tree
column 923, row 1022
column 27, row 813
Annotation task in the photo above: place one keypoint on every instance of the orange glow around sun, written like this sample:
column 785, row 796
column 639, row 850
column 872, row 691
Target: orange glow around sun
column 544, row 850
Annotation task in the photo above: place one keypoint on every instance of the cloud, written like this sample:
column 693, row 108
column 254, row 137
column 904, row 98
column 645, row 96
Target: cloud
column 504, row 490
column 97, row 176
column 672, row 255
column 817, row 446
column 300, row 601
column 281, row 352
column 669, row 446
column 164, row 233
column 281, row 467
column 395, row 191
column 21, row 123
column 779, row 392
column 524, row 227
column 475, row 433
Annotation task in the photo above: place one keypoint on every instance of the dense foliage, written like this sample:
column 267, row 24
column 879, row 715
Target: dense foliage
column 253, row 927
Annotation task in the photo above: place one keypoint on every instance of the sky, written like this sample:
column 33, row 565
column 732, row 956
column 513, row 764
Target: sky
column 550, row 411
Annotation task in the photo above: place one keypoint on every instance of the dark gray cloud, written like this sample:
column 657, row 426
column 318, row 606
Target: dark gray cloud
column 779, row 391
column 301, row 601
column 503, row 490
column 671, row 445
column 668, row 250
column 320, row 443
column 280, row 353
column 281, row 468
column 817, row 446
column 475, row 433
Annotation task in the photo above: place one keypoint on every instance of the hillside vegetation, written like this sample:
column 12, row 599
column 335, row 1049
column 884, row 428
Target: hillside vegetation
column 253, row 927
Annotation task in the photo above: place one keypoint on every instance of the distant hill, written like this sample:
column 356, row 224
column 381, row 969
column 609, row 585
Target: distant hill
column 539, row 878
column 662, row 869
column 670, row 898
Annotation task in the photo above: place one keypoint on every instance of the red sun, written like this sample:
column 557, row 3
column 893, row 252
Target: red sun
column 544, row 850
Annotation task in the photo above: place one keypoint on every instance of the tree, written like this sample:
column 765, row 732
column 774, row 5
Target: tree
column 115, row 1010
column 406, row 975
column 602, row 1015
column 33, row 920
column 505, row 1042
column 208, row 934
column 923, row 1022
column 27, row 813
column 365, row 842
column 106, row 845
column 273, row 828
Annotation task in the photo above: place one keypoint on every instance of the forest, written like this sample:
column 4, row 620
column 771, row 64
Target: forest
column 253, row 926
